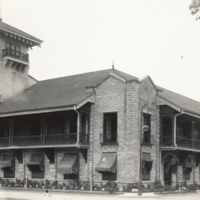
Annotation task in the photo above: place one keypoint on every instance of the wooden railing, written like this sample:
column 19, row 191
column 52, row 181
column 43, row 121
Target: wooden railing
column 27, row 140
column 69, row 138
column 182, row 142
column 84, row 138
column 48, row 139
column 16, row 54
column 4, row 141
column 166, row 141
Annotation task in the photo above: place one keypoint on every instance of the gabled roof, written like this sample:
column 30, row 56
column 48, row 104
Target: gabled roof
column 180, row 101
column 71, row 91
column 59, row 92
column 10, row 29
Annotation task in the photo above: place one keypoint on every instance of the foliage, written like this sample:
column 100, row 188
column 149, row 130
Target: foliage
column 18, row 181
column 75, row 185
column 194, row 8
column 129, row 187
column 158, row 186
column 47, row 183
column 86, row 185
column 167, row 188
column 12, row 184
column 193, row 187
column 7, row 182
column 2, row 181
column 111, row 186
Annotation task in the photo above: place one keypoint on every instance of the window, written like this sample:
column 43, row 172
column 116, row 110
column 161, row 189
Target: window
column 146, row 166
column 186, row 175
column 110, row 127
column 147, row 134
column 71, row 176
column 37, row 172
column 106, row 176
column 13, row 49
column 8, row 173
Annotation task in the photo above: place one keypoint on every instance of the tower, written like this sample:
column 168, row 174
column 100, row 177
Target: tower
column 14, row 59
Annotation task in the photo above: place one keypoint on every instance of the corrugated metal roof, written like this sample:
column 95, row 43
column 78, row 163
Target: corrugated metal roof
column 59, row 92
column 70, row 91
column 179, row 100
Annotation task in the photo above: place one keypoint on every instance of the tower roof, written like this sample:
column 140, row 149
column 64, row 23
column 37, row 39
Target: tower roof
column 16, row 33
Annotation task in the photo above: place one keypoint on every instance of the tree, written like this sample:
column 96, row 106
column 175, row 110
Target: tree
column 195, row 8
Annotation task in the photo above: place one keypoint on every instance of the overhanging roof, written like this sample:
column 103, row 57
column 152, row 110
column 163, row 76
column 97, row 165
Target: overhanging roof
column 57, row 94
column 10, row 29
column 178, row 102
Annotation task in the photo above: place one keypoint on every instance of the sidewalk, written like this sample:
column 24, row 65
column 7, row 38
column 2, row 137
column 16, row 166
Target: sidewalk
column 71, row 192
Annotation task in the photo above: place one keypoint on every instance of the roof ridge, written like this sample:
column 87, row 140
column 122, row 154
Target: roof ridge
column 75, row 75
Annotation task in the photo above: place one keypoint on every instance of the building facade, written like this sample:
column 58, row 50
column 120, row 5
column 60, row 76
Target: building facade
column 91, row 126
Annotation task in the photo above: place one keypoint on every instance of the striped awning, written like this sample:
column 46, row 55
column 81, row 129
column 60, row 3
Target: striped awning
column 69, row 164
column 107, row 163
column 7, row 160
column 36, row 160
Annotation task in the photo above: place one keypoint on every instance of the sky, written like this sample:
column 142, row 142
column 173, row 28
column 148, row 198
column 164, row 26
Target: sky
column 159, row 38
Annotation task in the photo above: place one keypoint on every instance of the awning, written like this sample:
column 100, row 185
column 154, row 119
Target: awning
column 7, row 161
column 146, row 158
column 36, row 160
column 69, row 164
column 108, row 163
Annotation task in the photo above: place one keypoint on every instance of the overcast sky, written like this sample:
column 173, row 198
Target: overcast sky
column 159, row 38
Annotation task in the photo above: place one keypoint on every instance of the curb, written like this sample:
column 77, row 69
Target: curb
column 59, row 191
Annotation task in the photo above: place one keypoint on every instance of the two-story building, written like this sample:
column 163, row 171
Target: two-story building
column 90, row 126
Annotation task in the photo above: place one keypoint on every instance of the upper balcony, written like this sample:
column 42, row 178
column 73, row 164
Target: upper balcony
column 62, row 139
column 49, row 130
column 15, row 58
column 181, row 132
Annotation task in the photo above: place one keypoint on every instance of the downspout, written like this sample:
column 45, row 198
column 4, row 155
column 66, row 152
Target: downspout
column 175, row 116
column 78, row 126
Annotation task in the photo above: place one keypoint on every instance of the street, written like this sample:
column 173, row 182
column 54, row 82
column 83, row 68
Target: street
column 21, row 195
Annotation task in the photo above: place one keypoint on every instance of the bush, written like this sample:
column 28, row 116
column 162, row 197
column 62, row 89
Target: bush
column 111, row 186
column 158, row 186
column 129, row 187
column 12, row 184
column 47, row 183
column 7, row 182
column 193, row 187
column 167, row 187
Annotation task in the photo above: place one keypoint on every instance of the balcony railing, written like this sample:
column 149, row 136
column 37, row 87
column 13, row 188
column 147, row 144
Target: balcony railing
column 27, row 140
column 166, row 140
column 182, row 142
column 15, row 54
column 69, row 138
column 148, row 139
column 42, row 140
column 4, row 141
column 84, row 138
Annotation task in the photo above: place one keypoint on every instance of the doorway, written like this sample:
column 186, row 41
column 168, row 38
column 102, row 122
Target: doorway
column 167, row 174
